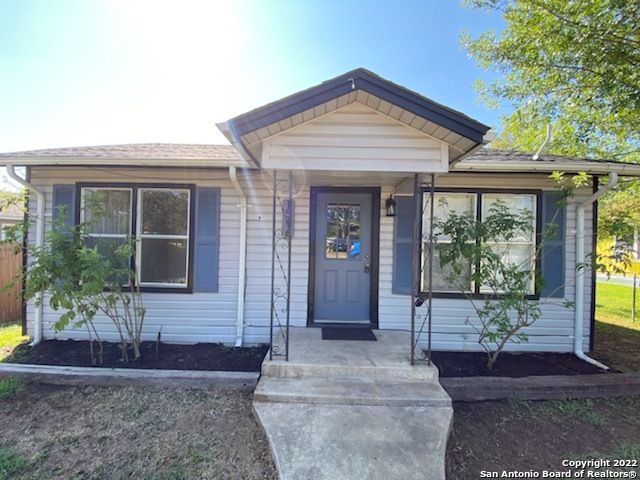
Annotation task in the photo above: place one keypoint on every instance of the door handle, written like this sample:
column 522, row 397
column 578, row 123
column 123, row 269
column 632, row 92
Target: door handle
column 367, row 268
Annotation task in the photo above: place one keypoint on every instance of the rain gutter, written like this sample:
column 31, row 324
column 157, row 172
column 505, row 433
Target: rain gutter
column 242, row 262
column 37, row 326
column 580, row 258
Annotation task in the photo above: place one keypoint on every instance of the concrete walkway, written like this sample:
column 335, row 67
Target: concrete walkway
column 353, row 410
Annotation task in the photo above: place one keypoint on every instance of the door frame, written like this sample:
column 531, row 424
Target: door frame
column 375, row 254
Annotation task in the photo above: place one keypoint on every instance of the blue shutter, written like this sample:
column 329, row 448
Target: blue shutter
column 207, row 240
column 552, row 254
column 402, row 246
column 64, row 199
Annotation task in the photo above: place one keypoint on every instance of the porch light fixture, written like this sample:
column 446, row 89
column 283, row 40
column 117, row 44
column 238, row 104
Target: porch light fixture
column 391, row 205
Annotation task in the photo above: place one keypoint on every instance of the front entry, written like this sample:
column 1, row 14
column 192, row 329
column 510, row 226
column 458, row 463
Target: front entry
column 344, row 250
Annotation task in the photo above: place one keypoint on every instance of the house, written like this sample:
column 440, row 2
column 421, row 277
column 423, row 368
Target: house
column 288, row 225
column 11, row 214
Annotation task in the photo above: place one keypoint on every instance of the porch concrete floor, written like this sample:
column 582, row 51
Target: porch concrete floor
column 353, row 409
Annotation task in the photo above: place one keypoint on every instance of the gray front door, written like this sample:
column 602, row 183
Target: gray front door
column 343, row 250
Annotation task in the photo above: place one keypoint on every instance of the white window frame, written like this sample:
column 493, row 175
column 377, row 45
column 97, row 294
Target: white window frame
column 141, row 236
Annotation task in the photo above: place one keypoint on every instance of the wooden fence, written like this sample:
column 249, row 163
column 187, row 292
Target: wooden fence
column 11, row 301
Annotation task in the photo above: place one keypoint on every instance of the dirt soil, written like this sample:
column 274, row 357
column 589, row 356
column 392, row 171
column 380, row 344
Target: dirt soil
column 471, row 364
column 144, row 433
column 212, row 356
column 202, row 356
column 526, row 436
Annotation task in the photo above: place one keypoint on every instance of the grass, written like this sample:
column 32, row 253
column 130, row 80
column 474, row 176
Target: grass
column 614, row 303
column 617, row 338
column 10, row 337
column 11, row 463
column 9, row 387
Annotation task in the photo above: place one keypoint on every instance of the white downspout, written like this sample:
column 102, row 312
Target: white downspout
column 37, row 325
column 243, row 256
column 580, row 239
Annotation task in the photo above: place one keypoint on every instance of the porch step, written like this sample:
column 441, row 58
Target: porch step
column 353, row 409
column 400, row 372
column 351, row 390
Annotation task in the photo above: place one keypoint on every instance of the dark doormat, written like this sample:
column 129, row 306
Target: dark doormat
column 348, row 333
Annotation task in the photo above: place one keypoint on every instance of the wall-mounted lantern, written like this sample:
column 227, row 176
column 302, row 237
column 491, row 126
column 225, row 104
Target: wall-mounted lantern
column 391, row 205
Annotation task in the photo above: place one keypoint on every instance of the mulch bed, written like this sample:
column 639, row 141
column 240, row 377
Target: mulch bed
column 201, row 356
column 214, row 356
column 514, row 365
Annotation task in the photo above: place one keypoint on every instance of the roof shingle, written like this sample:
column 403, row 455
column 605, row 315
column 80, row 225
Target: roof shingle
column 135, row 151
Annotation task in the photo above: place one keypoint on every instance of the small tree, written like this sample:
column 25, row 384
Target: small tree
column 85, row 280
column 506, row 306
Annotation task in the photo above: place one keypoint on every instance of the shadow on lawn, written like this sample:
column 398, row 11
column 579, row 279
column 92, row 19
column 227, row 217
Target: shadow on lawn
column 617, row 346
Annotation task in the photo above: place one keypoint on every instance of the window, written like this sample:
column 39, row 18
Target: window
column 163, row 230
column 160, row 218
column 519, row 251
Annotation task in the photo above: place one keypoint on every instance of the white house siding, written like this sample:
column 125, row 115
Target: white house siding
column 552, row 332
column 355, row 138
column 258, row 188
column 211, row 317
column 182, row 318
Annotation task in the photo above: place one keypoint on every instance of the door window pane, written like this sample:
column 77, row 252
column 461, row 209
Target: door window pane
column 342, row 234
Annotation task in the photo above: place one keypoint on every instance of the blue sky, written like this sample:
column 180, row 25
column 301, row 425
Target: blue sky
column 94, row 72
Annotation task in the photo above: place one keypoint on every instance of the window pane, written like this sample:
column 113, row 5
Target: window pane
column 163, row 261
column 520, row 255
column 513, row 203
column 107, row 247
column 442, row 275
column 107, row 211
column 445, row 204
column 165, row 212
column 342, row 235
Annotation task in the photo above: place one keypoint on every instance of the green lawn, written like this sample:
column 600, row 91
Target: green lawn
column 614, row 303
column 617, row 338
column 10, row 337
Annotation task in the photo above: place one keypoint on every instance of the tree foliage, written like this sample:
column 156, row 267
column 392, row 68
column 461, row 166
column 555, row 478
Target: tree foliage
column 575, row 65
column 85, row 280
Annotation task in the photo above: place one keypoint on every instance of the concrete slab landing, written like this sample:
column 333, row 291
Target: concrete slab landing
column 353, row 409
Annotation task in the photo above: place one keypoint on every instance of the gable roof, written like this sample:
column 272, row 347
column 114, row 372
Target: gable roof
column 247, row 131
column 369, row 82
column 160, row 154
